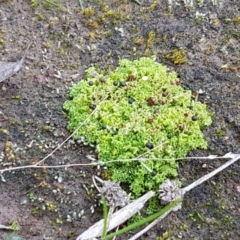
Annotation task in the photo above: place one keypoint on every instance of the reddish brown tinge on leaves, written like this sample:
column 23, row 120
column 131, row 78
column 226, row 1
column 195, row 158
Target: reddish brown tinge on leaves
column 131, row 77
column 150, row 101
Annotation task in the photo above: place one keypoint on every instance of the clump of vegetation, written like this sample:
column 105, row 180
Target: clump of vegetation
column 176, row 56
column 88, row 11
column 237, row 20
column 139, row 109
column 34, row 3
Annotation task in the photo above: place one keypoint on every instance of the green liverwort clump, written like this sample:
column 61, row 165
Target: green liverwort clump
column 141, row 111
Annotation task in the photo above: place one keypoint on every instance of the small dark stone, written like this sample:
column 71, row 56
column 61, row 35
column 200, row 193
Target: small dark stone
column 131, row 101
column 153, row 173
column 123, row 84
column 102, row 80
column 90, row 83
column 190, row 45
column 149, row 145
column 115, row 83
column 92, row 106
column 39, row 25
column 194, row 118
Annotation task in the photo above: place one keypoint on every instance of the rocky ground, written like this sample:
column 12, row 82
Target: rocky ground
column 61, row 203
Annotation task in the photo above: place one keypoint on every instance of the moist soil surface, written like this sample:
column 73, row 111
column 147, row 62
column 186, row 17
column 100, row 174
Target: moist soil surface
column 61, row 203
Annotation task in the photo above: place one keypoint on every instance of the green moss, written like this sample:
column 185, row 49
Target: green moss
column 88, row 11
column 141, row 109
column 237, row 20
column 165, row 236
column 220, row 132
column 106, row 174
column 210, row 49
column 153, row 205
column 198, row 20
column 2, row 42
column 36, row 211
column 40, row 17
column 34, row 4
column 135, row 218
column 176, row 56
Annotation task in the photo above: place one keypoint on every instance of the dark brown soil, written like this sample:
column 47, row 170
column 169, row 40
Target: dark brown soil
column 49, row 204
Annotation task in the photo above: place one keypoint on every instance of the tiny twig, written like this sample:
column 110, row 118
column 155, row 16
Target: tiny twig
column 5, row 227
column 100, row 162
column 50, row 166
column 95, row 184
column 116, row 231
column 233, row 159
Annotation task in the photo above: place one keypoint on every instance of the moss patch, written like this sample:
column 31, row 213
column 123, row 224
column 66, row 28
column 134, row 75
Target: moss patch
column 141, row 111
column 176, row 56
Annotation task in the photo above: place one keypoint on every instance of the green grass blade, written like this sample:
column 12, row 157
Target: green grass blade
column 105, row 217
column 143, row 221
